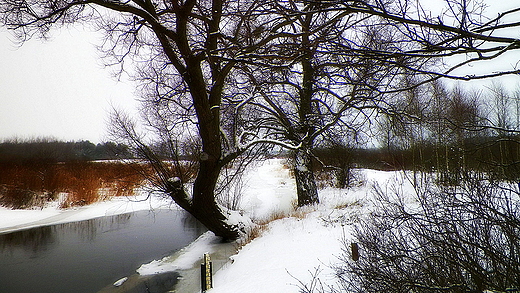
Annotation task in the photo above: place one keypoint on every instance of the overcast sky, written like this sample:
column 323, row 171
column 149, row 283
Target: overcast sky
column 57, row 88
column 60, row 89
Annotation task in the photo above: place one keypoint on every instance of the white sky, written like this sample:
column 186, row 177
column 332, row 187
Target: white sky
column 60, row 89
column 57, row 88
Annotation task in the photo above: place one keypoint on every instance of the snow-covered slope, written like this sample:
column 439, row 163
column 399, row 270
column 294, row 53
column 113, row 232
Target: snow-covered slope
column 307, row 243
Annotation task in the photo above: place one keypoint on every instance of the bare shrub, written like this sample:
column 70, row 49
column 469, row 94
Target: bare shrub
column 231, row 196
column 16, row 198
column 462, row 239
column 314, row 286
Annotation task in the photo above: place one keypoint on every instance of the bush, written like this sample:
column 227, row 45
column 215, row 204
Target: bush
column 458, row 239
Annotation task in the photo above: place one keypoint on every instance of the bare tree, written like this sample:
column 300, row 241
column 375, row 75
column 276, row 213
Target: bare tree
column 323, row 83
column 197, row 58
column 188, row 48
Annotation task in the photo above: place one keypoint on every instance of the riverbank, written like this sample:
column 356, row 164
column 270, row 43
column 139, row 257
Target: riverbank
column 288, row 249
column 180, row 270
column 52, row 214
column 291, row 248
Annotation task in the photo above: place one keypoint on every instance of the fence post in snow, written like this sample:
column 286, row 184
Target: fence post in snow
column 206, row 273
column 355, row 251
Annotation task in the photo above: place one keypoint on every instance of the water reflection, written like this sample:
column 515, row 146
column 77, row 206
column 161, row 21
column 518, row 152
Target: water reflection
column 40, row 238
column 33, row 240
column 191, row 223
column 86, row 256
column 89, row 229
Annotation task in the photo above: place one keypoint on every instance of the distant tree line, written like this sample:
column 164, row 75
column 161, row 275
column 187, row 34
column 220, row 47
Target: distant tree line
column 48, row 150
column 455, row 131
column 450, row 131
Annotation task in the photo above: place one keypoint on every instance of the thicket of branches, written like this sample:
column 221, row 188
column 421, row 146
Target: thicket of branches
column 463, row 239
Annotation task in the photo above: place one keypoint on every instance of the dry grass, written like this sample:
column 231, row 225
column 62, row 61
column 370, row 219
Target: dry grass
column 261, row 226
column 29, row 184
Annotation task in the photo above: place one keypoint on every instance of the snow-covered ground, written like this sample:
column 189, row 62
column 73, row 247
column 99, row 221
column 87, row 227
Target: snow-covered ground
column 306, row 243
column 298, row 244
column 288, row 251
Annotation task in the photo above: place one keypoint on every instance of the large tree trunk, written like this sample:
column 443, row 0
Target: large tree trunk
column 303, row 171
column 305, row 184
column 204, row 207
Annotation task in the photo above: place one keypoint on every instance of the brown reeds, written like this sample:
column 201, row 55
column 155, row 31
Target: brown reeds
column 29, row 184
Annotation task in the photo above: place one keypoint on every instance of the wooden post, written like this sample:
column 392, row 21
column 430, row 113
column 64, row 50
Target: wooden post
column 206, row 273
column 355, row 251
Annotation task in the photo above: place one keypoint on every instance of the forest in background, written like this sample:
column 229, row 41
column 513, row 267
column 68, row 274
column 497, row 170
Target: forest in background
column 51, row 150
column 35, row 171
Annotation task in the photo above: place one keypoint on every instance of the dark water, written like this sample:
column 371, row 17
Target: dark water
column 89, row 255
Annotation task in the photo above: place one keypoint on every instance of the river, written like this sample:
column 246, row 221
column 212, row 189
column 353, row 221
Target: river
column 89, row 255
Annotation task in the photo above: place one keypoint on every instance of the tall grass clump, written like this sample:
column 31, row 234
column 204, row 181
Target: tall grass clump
column 32, row 183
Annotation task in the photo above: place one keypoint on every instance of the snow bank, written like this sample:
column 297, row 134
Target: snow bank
column 13, row 220
column 287, row 253
column 184, row 259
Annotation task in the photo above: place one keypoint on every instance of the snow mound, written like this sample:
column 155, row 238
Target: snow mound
column 184, row 259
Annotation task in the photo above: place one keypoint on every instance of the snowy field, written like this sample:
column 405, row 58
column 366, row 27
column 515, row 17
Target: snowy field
column 303, row 244
column 289, row 250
